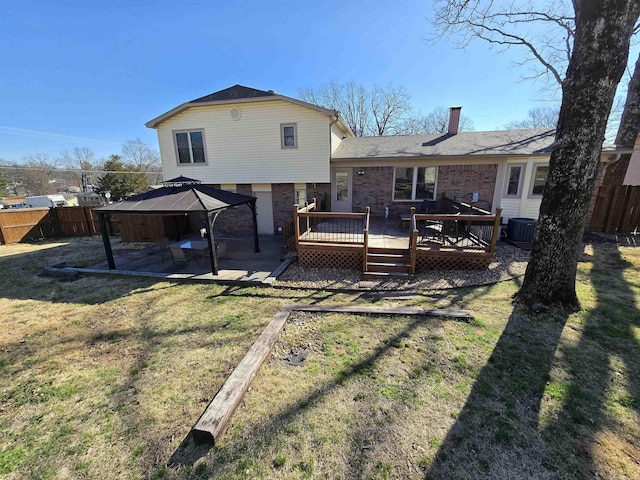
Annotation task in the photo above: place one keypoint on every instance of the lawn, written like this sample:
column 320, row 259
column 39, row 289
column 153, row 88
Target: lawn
column 103, row 377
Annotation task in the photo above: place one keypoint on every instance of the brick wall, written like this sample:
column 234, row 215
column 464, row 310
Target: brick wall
column 460, row 181
column 283, row 195
column 236, row 220
column 375, row 187
column 321, row 192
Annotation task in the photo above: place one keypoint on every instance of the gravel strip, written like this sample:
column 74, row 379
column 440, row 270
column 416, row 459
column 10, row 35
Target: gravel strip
column 509, row 262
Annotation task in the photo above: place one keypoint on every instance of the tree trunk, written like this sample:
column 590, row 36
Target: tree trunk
column 627, row 130
column 601, row 49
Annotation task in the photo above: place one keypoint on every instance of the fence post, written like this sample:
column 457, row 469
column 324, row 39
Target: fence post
column 86, row 220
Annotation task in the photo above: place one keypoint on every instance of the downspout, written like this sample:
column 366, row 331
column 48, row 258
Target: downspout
column 336, row 118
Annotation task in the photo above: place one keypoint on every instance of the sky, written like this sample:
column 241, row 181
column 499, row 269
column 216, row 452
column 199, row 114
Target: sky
column 90, row 74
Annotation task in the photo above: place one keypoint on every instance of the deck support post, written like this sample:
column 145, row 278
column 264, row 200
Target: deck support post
column 496, row 228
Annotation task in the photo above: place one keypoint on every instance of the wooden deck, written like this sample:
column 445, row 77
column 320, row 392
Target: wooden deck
column 429, row 241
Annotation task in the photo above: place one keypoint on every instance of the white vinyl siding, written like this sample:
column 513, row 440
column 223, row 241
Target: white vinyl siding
column 336, row 138
column 525, row 205
column 249, row 150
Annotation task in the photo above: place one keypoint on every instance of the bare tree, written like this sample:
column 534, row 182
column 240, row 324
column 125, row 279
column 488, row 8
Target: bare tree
column 5, row 183
column 543, row 32
column 389, row 107
column 539, row 117
column 350, row 99
column 378, row 112
column 38, row 174
column 601, row 48
column 82, row 161
column 145, row 158
column 437, row 121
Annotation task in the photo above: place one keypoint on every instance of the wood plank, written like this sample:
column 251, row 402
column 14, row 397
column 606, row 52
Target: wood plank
column 365, row 310
column 215, row 418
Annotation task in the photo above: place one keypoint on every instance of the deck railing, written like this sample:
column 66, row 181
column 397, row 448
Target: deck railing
column 330, row 227
column 366, row 239
column 446, row 235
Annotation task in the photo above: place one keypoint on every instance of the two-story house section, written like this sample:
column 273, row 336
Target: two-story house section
column 254, row 142
column 285, row 151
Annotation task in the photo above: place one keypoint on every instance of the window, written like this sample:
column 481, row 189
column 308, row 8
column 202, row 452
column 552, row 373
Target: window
column 414, row 183
column 190, row 147
column 539, row 179
column 288, row 135
column 513, row 180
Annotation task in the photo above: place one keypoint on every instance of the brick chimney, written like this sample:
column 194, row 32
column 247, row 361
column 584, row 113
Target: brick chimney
column 454, row 120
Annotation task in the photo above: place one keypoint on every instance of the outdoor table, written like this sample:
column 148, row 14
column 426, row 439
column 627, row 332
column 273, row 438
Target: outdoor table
column 198, row 248
column 192, row 245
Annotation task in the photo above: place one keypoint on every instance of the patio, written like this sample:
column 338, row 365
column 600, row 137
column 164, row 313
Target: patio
column 238, row 263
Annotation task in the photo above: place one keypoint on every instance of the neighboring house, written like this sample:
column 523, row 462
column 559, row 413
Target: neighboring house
column 286, row 151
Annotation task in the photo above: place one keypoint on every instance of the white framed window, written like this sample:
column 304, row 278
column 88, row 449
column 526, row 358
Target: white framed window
column 513, row 180
column 288, row 135
column 190, row 147
column 414, row 183
column 538, row 179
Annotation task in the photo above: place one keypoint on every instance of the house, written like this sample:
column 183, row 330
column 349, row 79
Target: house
column 285, row 151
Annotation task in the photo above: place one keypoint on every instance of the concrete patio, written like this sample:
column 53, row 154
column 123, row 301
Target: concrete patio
column 238, row 263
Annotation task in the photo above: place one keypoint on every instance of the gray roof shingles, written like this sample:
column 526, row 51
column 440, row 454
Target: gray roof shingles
column 496, row 143
column 234, row 93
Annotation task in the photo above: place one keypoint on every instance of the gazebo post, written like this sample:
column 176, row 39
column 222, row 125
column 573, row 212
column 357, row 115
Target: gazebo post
column 252, row 206
column 106, row 240
column 213, row 255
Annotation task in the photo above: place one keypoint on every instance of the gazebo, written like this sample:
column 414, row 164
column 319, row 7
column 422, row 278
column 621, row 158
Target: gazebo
column 177, row 196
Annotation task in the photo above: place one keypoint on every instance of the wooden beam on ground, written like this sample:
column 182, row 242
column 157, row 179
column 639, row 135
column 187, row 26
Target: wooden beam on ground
column 215, row 418
column 364, row 310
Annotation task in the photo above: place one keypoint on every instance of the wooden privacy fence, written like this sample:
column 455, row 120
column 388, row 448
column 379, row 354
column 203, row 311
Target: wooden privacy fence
column 17, row 225
column 617, row 209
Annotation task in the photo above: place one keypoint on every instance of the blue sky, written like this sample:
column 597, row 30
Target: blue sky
column 90, row 74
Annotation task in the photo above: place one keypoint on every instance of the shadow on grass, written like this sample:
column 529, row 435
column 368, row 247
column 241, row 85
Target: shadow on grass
column 268, row 433
column 501, row 432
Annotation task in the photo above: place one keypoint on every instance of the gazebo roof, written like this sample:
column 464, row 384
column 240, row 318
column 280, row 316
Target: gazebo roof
column 178, row 197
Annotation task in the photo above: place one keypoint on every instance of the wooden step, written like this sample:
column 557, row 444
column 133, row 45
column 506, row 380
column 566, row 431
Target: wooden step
column 388, row 263
column 388, row 258
column 386, row 275
column 388, row 267
column 388, row 251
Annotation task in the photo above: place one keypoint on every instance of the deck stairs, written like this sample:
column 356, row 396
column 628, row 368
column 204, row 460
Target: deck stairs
column 388, row 263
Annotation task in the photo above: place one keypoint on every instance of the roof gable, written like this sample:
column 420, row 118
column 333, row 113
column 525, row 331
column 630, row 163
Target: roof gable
column 242, row 94
column 236, row 92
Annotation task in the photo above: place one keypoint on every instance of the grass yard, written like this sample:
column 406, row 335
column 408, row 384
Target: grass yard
column 103, row 377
